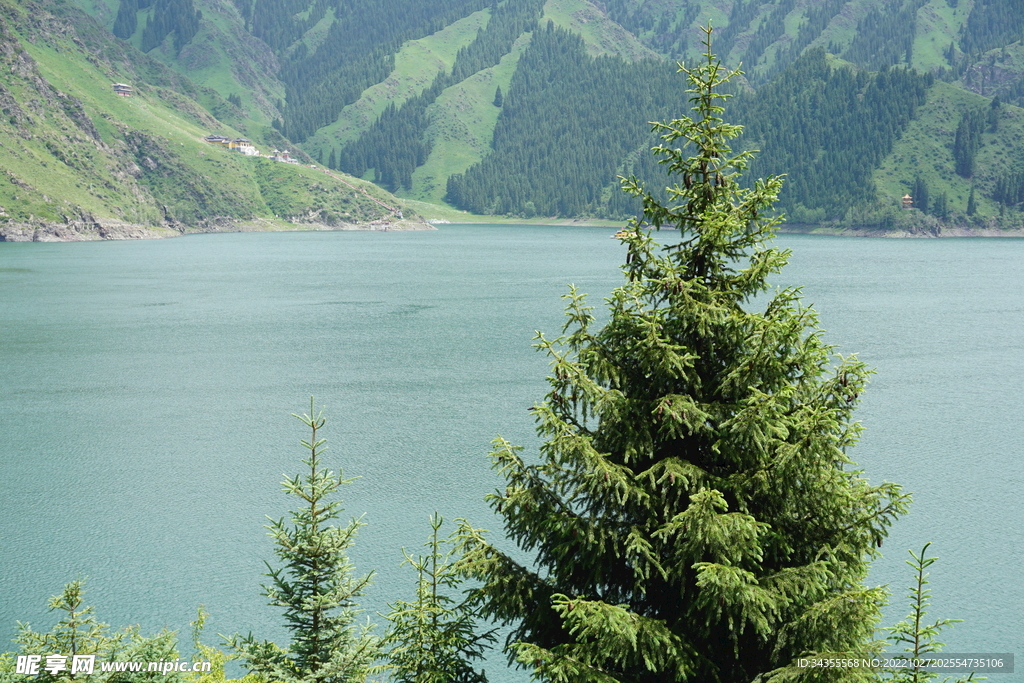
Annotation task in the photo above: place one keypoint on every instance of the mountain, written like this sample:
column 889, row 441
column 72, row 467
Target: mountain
column 82, row 162
column 534, row 107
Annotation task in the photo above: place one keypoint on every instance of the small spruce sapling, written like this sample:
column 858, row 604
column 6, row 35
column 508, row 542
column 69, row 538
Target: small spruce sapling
column 315, row 584
column 914, row 634
column 435, row 639
column 78, row 632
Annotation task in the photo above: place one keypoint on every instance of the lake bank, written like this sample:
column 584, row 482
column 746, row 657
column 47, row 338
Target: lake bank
column 962, row 231
column 93, row 229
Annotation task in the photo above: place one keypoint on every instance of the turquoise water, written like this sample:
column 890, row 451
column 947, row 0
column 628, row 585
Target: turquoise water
column 147, row 389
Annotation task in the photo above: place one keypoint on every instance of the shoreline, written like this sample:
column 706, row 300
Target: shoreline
column 808, row 229
column 94, row 230
column 784, row 228
column 90, row 229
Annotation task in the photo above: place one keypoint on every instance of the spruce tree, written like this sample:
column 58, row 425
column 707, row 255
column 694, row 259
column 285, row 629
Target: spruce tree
column 434, row 638
column 921, row 194
column 315, row 584
column 918, row 638
column 693, row 514
column 126, row 21
column 77, row 633
column 79, row 636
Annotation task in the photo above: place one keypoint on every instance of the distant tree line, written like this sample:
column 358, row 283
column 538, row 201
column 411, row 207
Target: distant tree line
column 127, row 18
column 1009, row 190
column 559, row 144
column 768, row 31
column 922, row 200
column 992, row 23
column 356, row 52
column 666, row 32
column 968, row 141
column 885, row 36
column 816, row 18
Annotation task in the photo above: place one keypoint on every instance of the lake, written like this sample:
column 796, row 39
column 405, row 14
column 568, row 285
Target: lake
column 147, row 389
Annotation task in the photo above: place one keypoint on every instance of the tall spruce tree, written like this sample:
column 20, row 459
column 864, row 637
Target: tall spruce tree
column 693, row 514
column 315, row 585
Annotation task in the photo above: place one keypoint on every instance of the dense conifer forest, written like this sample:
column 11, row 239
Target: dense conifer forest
column 566, row 128
column 394, row 146
column 828, row 129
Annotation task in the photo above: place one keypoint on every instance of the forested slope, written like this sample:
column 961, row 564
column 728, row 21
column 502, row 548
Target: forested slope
column 406, row 92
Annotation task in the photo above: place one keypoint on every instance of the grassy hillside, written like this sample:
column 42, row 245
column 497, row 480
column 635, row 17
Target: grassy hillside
column 602, row 35
column 80, row 160
column 462, row 125
column 223, row 55
column 926, row 150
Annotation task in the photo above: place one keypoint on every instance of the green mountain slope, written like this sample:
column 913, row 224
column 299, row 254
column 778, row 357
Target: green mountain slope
column 417, row 64
column 81, row 162
column 403, row 92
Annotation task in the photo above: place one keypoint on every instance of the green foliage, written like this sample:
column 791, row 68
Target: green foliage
column 666, row 33
column 356, row 52
column 332, row 53
column 768, row 31
column 215, row 656
column 434, row 639
column 917, row 638
column 126, row 21
column 694, row 514
column 994, row 110
column 78, row 632
column 992, row 23
column 76, row 156
column 306, row 196
column 885, row 37
column 395, row 145
column 588, row 109
column 315, row 584
column 1009, row 189
column 177, row 17
column 968, row 141
column 925, row 149
column 920, row 194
